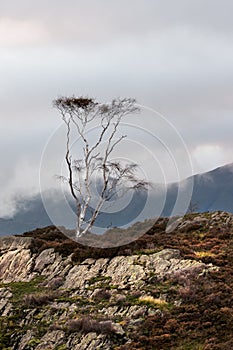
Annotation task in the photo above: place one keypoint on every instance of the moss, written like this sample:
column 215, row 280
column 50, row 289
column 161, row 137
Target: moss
column 42, row 327
column 20, row 289
column 5, row 339
column 61, row 347
column 96, row 279
column 33, row 342
column 131, row 299
column 112, row 286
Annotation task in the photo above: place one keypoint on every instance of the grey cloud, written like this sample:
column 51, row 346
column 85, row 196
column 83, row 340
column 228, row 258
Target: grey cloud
column 97, row 22
column 173, row 56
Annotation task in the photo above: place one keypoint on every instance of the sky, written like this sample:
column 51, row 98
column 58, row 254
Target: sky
column 174, row 57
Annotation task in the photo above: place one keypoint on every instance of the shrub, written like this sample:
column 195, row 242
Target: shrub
column 88, row 325
column 102, row 294
column 188, row 293
column 74, row 325
column 120, row 298
column 55, row 283
column 38, row 299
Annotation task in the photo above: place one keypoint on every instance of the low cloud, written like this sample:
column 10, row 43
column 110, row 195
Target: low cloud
column 23, row 182
column 173, row 57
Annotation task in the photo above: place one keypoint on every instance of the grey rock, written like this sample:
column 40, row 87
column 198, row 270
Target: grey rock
column 13, row 242
column 117, row 328
column 25, row 340
column 5, row 305
column 46, row 257
column 90, row 342
column 173, row 224
column 51, row 340
column 79, row 286
column 16, row 265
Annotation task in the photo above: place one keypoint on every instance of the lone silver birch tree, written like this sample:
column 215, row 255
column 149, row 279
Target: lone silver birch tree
column 93, row 160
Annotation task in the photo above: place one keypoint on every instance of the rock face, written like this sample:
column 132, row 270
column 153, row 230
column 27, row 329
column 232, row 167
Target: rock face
column 19, row 264
column 128, row 272
column 85, row 280
column 5, row 304
column 15, row 259
column 96, row 304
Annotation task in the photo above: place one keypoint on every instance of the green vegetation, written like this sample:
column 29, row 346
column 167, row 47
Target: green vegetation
column 24, row 295
column 97, row 279
column 33, row 342
column 60, row 347
column 20, row 289
column 191, row 310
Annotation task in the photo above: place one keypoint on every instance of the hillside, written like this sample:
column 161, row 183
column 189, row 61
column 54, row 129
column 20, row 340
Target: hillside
column 164, row 291
column 212, row 191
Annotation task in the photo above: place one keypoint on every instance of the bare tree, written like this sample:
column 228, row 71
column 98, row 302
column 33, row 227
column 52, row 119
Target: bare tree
column 93, row 159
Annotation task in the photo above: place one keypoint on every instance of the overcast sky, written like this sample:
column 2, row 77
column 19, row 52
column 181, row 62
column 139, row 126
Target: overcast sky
column 172, row 56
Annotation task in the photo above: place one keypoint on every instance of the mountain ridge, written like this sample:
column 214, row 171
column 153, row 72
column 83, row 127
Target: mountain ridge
column 211, row 191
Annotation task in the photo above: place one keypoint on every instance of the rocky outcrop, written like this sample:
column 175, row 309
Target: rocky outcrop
column 211, row 220
column 85, row 281
column 18, row 263
column 50, row 302
column 5, row 304
column 16, row 260
column 131, row 272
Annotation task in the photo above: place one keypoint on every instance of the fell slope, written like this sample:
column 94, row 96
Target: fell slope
column 163, row 291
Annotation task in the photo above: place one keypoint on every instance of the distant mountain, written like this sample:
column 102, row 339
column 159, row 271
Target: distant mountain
column 31, row 214
column 214, row 190
column 211, row 191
